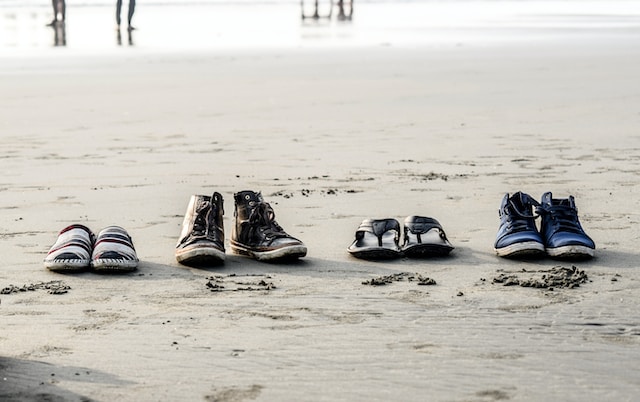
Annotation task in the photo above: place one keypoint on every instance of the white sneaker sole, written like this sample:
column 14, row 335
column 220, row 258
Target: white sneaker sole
column 200, row 255
column 283, row 253
column 524, row 249
column 571, row 252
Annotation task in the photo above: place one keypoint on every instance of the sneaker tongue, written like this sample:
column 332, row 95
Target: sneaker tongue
column 519, row 201
column 522, row 204
column 565, row 202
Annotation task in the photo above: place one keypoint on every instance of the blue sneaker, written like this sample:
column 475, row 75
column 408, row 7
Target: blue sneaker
column 517, row 234
column 561, row 230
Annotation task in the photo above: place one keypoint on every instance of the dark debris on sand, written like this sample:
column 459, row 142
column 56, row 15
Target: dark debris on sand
column 399, row 277
column 232, row 283
column 556, row 277
column 307, row 192
column 52, row 287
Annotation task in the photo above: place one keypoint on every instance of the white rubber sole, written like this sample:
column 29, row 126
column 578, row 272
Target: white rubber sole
column 291, row 252
column 114, row 265
column 67, row 265
column 571, row 252
column 200, row 255
column 524, row 249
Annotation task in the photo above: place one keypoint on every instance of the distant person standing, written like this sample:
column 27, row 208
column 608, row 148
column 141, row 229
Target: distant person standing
column 132, row 8
column 59, row 11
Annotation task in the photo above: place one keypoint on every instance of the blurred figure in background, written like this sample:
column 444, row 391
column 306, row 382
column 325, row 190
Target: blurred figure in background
column 59, row 11
column 132, row 8
column 342, row 16
column 129, row 37
column 59, row 34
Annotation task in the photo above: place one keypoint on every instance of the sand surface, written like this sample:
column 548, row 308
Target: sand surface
column 331, row 135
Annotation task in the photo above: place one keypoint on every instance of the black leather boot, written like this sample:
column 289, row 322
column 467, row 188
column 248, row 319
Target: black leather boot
column 202, row 239
column 257, row 234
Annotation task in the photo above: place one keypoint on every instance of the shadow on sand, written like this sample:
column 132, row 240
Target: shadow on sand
column 29, row 380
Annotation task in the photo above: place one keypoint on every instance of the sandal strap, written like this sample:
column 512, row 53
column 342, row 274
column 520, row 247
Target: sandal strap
column 378, row 227
column 381, row 226
column 419, row 225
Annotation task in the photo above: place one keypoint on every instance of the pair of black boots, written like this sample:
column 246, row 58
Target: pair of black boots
column 255, row 233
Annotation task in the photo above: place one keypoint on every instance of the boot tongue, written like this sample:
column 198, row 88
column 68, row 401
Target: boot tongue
column 249, row 196
column 203, row 202
column 200, row 224
column 217, row 201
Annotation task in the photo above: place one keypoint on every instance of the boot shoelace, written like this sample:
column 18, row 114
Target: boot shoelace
column 518, row 219
column 264, row 217
column 201, row 223
column 563, row 217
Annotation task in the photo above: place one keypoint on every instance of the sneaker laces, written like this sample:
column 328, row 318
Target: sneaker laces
column 519, row 219
column 564, row 217
column 264, row 217
column 200, row 223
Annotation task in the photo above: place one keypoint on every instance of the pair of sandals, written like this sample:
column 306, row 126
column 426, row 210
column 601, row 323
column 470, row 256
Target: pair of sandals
column 78, row 249
column 378, row 239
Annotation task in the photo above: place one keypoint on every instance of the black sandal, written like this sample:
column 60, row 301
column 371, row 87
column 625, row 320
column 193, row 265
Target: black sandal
column 424, row 237
column 377, row 239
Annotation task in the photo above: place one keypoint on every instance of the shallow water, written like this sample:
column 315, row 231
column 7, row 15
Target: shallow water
column 209, row 25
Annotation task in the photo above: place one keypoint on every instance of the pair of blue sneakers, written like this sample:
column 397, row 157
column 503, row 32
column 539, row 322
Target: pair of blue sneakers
column 560, row 236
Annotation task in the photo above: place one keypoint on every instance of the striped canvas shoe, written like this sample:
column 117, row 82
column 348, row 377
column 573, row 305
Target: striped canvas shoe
column 114, row 251
column 72, row 250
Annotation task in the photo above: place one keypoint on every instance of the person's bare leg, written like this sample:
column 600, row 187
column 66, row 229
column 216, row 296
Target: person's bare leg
column 132, row 9
column 118, row 8
column 54, row 6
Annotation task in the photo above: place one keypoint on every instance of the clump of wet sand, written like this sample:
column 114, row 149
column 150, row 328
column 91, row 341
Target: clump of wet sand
column 556, row 277
column 52, row 287
column 399, row 277
column 234, row 283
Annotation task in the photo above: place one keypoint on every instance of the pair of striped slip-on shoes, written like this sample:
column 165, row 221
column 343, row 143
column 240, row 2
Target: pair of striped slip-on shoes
column 77, row 249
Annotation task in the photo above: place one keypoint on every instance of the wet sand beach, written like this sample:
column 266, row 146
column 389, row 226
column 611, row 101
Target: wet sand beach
column 333, row 126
